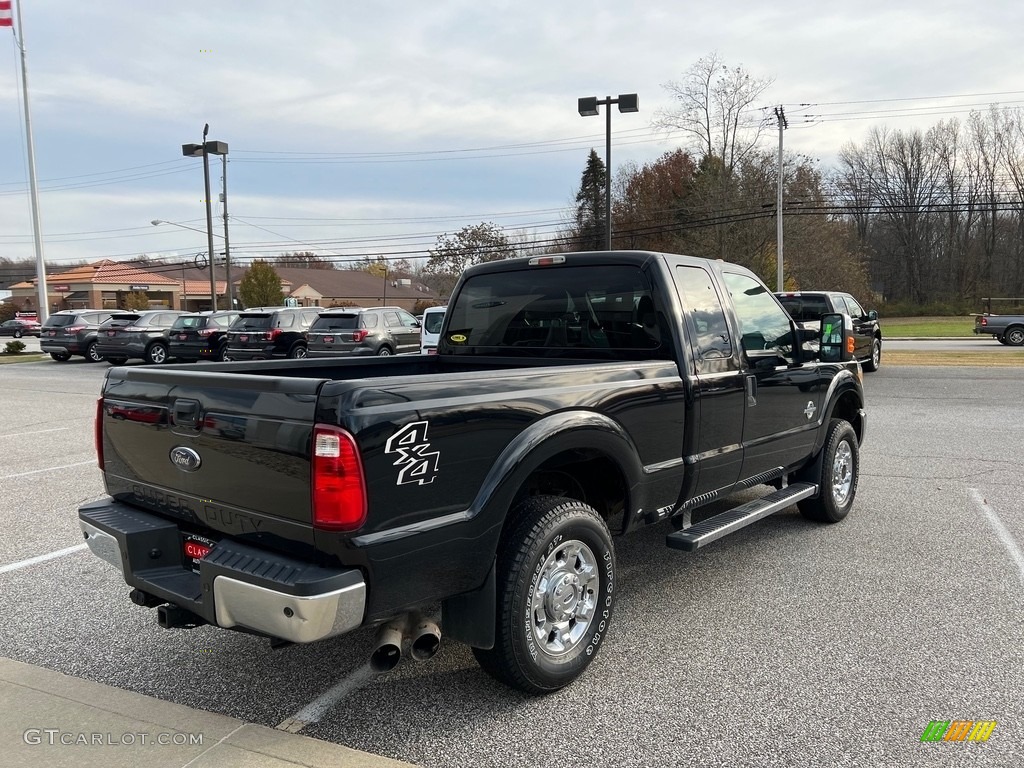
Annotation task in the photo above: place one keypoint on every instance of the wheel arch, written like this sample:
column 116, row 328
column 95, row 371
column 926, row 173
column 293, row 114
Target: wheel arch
column 585, row 445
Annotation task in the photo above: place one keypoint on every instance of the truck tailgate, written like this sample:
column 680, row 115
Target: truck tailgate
column 179, row 445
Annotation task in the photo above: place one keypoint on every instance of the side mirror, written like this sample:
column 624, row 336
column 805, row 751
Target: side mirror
column 836, row 343
column 872, row 315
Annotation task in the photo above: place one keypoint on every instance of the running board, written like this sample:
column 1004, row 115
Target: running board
column 724, row 523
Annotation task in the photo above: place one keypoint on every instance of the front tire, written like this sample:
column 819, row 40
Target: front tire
column 872, row 364
column 840, row 471
column 556, row 573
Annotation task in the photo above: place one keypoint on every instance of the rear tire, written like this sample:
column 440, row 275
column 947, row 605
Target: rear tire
column 61, row 357
column 840, row 471
column 92, row 355
column 384, row 352
column 17, row 334
column 156, row 354
column 116, row 360
column 556, row 573
column 872, row 364
column 1014, row 336
column 298, row 352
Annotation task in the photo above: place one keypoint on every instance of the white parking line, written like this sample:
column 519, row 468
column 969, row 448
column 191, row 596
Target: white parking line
column 312, row 712
column 42, row 558
column 1005, row 537
column 49, row 469
column 36, row 432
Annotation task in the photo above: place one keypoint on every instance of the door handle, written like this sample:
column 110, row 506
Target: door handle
column 751, row 390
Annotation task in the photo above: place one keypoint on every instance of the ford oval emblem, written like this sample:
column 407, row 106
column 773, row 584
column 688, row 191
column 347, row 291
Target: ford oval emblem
column 185, row 459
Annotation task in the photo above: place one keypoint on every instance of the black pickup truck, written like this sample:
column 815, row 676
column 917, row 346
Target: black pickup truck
column 574, row 398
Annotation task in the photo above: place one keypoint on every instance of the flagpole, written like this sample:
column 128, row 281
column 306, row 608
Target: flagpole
column 37, row 227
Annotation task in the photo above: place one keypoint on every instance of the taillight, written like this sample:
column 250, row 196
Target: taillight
column 206, row 332
column 339, row 488
column 984, row 321
column 272, row 334
column 74, row 329
column 359, row 335
column 98, row 432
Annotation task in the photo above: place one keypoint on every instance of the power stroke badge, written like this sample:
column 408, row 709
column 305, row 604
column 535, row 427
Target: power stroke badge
column 416, row 462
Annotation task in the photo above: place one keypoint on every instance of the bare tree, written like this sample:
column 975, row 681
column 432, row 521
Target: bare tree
column 715, row 108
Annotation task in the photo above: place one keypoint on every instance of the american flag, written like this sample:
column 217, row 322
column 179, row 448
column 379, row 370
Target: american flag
column 6, row 20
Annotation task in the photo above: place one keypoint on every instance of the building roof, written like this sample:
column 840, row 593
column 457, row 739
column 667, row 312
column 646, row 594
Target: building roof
column 107, row 271
column 350, row 284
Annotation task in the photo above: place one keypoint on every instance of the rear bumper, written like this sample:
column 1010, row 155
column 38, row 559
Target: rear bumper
column 237, row 586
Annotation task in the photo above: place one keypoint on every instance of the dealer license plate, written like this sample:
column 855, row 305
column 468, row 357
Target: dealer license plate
column 193, row 549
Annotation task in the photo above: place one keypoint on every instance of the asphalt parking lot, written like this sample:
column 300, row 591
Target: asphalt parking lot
column 787, row 644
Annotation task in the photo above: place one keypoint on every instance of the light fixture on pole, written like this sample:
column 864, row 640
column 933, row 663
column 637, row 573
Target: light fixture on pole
column 628, row 102
column 204, row 151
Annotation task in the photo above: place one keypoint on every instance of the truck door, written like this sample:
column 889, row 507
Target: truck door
column 718, row 384
column 782, row 395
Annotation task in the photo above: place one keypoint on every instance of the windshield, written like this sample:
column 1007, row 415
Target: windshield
column 549, row 312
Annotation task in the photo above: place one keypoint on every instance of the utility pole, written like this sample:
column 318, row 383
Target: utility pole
column 780, row 115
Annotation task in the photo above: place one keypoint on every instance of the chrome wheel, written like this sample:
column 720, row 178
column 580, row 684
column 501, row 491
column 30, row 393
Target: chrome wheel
column 842, row 473
column 565, row 598
column 92, row 355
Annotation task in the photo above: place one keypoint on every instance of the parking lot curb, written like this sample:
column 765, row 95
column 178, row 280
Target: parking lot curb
column 66, row 722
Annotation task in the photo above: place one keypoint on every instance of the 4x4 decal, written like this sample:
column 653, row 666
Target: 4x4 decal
column 416, row 462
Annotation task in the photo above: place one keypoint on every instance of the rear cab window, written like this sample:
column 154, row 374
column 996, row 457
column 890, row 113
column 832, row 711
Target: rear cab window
column 605, row 311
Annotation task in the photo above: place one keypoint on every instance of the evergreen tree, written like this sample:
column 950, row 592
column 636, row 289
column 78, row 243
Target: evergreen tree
column 589, row 226
column 261, row 286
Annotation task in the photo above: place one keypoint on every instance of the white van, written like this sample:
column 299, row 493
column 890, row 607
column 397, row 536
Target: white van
column 430, row 330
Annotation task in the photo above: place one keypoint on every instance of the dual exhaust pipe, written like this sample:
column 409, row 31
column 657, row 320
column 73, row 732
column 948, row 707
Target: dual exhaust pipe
column 423, row 635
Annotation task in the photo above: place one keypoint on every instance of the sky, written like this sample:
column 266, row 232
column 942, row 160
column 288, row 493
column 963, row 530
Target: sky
column 372, row 128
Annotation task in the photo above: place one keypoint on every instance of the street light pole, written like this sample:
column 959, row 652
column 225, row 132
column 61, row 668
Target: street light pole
column 587, row 106
column 209, row 222
column 204, row 150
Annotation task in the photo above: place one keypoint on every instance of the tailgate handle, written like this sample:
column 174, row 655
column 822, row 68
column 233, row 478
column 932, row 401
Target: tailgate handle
column 186, row 413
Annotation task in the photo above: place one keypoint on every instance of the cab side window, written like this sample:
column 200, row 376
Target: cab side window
column 764, row 325
column 856, row 311
column 710, row 338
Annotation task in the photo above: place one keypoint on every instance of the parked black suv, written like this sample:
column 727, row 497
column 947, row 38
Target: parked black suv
column 140, row 334
column 202, row 336
column 807, row 307
column 73, row 332
column 262, row 333
column 370, row 331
